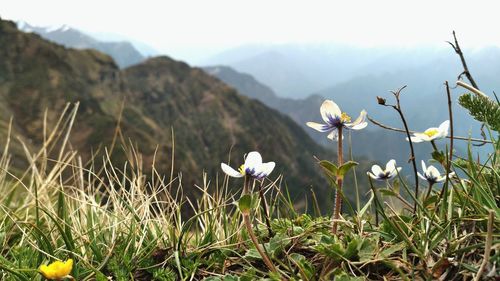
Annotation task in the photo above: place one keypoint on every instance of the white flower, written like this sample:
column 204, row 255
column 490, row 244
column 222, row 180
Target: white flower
column 432, row 175
column 253, row 167
column 432, row 133
column 390, row 171
column 335, row 119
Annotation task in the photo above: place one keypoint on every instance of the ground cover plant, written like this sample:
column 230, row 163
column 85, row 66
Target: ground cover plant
column 61, row 218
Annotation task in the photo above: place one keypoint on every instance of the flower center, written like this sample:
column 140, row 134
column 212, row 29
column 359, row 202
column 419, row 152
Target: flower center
column 242, row 169
column 345, row 118
column 431, row 132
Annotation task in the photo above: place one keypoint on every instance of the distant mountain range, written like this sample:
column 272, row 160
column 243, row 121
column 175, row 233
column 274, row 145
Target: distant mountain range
column 373, row 142
column 123, row 52
column 299, row 70
column 209, row 119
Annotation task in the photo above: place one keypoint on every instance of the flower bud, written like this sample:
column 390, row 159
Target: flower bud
column 380, row 100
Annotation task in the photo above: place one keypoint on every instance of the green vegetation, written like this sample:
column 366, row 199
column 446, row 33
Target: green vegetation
column 118, row 223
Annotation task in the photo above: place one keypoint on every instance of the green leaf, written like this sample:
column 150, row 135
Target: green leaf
column 367, row 249
column 329, row 166
column 277, row 244
column 396, row 186
column 367, row 205
column 305, row 267
column 253, row 254
column 333, row 171
column 438, row 156
column 245, row 204
column 387, row 252
column 331, row 247
column 342, row 170
column 352, row 248
column 387, row 192
column 212, row 278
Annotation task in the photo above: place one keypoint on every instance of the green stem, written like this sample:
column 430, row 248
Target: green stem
column 338, row 195
column 375, row 196
column 434, row 146
column 358, row 204
column 428, row 191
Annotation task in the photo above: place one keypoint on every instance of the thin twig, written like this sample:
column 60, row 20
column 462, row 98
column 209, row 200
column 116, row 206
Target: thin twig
column 266, row 212
column 452, row 136
column 403, row 131
column 450, row 156
column 472, row 89
column 466, row 71
column 397, row 107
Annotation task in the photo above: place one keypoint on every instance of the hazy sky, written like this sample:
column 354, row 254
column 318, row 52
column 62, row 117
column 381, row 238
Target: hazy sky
column 193, row 27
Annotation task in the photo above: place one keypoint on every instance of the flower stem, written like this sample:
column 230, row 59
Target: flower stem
column 248, row 226
column 265, row 258
column 428, row 191
column 338, row 195
column 434, row 146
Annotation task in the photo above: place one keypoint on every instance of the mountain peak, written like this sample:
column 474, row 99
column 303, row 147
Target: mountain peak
column 122, row 52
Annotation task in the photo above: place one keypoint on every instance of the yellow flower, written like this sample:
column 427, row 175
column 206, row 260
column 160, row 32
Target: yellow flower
column 57, row 270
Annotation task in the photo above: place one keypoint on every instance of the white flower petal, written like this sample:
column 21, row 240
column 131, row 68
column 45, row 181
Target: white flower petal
column 440, row 179
column 359, row 123
column 390, row 166
column 415, row 139
column 376, row 170
column 359, row 126
column 433, row 172
column 395, row 172
column 424, row 167
column 334, row 135
column 420, row 176
column 319, row 127
column 329, row 110
column 422, row 137
column 230, row 171
column 253, row 160
column 443, row 128
column 266, row 168
column 372, row 176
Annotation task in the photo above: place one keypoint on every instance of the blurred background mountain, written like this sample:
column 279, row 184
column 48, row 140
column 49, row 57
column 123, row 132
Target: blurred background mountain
column 285, row 85
column 123, row 53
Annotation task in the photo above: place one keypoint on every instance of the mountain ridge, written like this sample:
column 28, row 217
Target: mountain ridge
column 123, row 52
column 209, row 118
